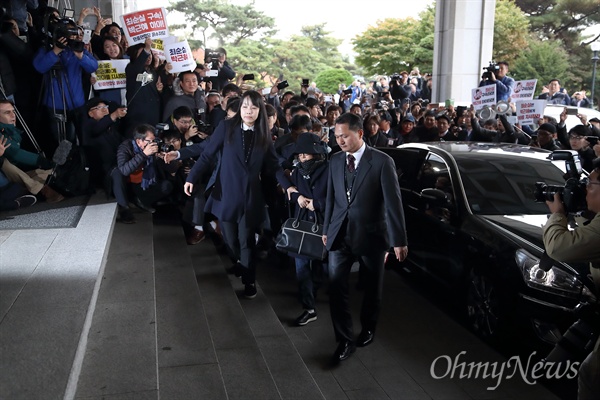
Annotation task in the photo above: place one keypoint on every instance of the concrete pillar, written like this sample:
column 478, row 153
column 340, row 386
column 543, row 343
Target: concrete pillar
column 464, row 37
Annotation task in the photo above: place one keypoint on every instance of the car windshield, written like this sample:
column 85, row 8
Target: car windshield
column 505, row 185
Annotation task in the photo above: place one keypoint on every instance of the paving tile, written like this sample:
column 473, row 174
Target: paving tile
column 368, row 394
column 245, row 374
column 192, row 382
column 62, row 282
column 183, row 334
column 143, row 395
column 121, row 343
column 289, row 372
column 37, row 348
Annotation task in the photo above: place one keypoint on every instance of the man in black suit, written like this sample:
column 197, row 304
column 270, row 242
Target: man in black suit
column 363, row 218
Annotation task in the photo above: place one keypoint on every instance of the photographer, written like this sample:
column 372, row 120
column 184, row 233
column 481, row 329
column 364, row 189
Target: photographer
column 63, row 63
column 182, row 121
column 496, row 75
column 579, row 245
column 136, row 171
column 218, row 59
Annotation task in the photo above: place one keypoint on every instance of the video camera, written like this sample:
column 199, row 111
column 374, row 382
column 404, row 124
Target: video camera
column 573, row 192
column 57, row 28
column 492, row 68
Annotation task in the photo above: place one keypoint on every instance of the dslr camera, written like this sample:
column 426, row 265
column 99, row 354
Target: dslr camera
column 573, row 192
column 162, row 146
column 492, row 68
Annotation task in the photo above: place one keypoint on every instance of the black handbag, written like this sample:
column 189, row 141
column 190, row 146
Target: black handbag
column 303, row 238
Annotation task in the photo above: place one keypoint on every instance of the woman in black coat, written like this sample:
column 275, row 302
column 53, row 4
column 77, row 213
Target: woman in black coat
column 247, row 154
column 310, row 179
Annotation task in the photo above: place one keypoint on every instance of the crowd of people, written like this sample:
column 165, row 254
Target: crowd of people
column 237, row 162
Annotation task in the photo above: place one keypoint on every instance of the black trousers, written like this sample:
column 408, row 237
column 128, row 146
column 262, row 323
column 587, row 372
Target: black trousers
column 340, row 264
column 240, row 238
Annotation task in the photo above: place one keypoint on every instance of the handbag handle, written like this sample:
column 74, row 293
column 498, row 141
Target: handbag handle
column 303, row 211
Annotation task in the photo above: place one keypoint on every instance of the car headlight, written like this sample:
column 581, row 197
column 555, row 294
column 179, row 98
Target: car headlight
column 555, row 280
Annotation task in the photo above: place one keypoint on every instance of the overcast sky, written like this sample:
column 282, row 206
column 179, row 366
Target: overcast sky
column 345, row 18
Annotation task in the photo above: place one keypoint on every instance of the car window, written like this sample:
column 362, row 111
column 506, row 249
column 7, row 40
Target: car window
column 434, row 174
column 408, row 163
column 505, row 186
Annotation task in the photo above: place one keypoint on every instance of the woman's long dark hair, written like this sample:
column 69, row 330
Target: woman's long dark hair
column 262, row 135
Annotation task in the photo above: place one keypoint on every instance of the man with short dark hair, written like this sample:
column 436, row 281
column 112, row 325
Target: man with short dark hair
column 136, row 170
column 192, row 97
column 554, row 94
column 225, row 74
column 504, row 84
column 363, row 218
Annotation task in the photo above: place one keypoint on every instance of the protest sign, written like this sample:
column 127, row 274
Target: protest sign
column 530, row 111
column 484, row 96
column 179, row 54
column 110, row 74
column 523, row 90
column 140, row 25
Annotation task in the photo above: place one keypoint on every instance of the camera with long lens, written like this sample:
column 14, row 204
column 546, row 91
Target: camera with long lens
column 492, row 68
column 573, row 192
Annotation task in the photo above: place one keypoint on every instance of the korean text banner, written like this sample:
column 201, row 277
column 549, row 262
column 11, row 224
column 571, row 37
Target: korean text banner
column 530, row 111
column 140, row 25
column 179, row 54
column 110, row 74
column 523, row 90
column 484, row 96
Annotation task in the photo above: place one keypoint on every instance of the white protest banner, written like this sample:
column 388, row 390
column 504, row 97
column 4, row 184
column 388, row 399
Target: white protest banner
column 110, row 74
column 179, row 54
column 523, row 90
column 484, row 96
column 530, row 111
column 139, row 25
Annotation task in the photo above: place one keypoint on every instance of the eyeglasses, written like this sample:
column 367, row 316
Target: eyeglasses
column 575, row 137
column 99, row 107
column 185, row 121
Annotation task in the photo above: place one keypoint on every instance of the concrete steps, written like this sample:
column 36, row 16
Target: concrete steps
column 170, row 324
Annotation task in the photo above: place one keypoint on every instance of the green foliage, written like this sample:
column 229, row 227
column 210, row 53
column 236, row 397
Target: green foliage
column 510, row 31
column 226, row 22
column 387, row 47
column 543, row 60
column 329, row 80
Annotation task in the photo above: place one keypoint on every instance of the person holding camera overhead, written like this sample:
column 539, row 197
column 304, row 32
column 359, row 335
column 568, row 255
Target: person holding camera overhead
column 62, row 63
column 579, row 245
column 237, row 198
column 225, row 73
column 496, row 75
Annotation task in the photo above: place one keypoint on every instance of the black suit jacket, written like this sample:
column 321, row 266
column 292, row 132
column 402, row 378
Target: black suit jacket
column 374, row 214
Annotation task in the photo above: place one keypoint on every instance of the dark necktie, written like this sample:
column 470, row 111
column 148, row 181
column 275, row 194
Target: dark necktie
column 351, row 167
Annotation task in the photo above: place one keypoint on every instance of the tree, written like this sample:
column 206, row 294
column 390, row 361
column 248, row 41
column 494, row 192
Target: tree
column 329, row 80
column 543, row 60
column 387, row 47
column 511, row 28
column 228, row 23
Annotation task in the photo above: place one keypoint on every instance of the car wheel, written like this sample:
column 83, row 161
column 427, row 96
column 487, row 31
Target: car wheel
column 483, row 305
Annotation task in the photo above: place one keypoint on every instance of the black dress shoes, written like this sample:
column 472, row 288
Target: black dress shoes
column 365, row 338
column 343, row 351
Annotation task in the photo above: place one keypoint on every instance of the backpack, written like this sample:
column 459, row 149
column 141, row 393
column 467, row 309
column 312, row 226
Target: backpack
column 72, row 178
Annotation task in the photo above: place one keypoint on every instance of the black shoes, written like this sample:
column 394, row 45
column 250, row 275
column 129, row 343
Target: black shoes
column 306, row 317
column 343, row 351
column 144, row 207
column 365, row 338
column 236, row 269
column 250, row 291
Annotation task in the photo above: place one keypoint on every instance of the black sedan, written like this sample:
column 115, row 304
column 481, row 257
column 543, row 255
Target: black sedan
column 473, row 226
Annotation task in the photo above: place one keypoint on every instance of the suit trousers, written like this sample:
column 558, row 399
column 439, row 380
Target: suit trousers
column 341, row 259
column 241, row 240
